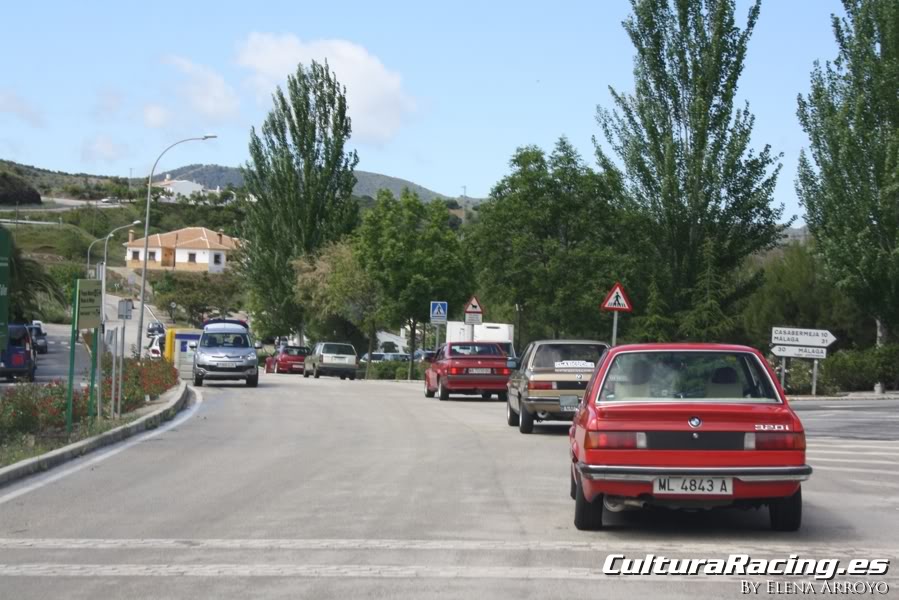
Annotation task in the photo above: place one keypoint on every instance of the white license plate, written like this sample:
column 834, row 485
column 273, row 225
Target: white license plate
column 297, row 367
column 226, row 365
column 568, row 403
column 694, row 486
column 479, row 371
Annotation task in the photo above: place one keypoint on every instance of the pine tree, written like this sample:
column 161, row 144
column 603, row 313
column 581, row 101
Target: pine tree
column 706, row 321
column 656, row 325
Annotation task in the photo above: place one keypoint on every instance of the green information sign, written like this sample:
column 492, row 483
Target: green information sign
column 89, row 303
column 5, row 250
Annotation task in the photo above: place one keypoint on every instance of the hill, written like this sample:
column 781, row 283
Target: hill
column 367, row 183
column 15, row 189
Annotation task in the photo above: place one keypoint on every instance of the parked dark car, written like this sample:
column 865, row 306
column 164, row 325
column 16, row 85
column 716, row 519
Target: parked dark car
column 38, row 338
column 155, row 328
column 17, row 361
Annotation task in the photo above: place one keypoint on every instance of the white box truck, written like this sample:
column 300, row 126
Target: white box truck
column 502, row 333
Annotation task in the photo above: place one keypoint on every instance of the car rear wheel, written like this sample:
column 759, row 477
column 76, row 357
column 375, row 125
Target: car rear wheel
column 353, row 377
column 442, row 392
column 198, row 381
column 573, row 485
column 511, row 415
column 587, row 515
column 525, row 419
column 486, row 396
column 315, row 372
column 786, row 513
column 306, row 373
column 342, row 377
column 503, row 396
column 429, row 393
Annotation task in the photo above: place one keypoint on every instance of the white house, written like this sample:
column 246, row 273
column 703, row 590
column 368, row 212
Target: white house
column 188, row 249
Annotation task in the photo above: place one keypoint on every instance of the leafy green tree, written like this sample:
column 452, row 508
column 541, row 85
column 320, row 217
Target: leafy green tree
column 687, row 165
column 300, row 177
column 336, row 284
column 29, row 284
column 547, row 240
column 199, row 296
column 850, row 183
column 798, row 291
column 413, row 256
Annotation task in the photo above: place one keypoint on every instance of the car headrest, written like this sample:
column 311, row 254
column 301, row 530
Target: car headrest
column 640, row 373
column 724, row 375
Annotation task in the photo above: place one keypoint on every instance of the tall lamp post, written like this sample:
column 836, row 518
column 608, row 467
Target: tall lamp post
column 105, row 256
column 143, row 275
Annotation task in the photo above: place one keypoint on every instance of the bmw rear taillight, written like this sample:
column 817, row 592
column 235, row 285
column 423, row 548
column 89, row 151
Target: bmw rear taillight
column 541, row 385
column 615, row 440
column 456, row 370
column 774, row 440
column 502, row 371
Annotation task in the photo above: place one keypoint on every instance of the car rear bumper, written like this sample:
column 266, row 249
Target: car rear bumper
column 16, row 371
column 475, row 383
column 547, row 405
column 648, row 474
column 340, row 368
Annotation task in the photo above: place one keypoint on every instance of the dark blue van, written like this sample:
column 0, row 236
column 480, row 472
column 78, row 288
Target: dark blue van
column 18, row 358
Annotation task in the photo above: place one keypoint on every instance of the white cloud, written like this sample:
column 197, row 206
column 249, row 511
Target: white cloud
column 205, row 90
column 155, row 116
column 12, row 103
column 377, row 102
column 102, row 148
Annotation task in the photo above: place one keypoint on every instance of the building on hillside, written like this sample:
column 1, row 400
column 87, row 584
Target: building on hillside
column 172, row 189
column 188, row 249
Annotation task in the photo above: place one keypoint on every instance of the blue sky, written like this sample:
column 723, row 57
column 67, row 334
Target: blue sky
column 440, row 94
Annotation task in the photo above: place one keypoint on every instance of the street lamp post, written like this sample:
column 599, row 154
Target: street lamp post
column 87, row 269
column 143, row 275
column 105, row 256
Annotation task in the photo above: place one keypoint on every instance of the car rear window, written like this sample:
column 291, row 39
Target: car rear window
column 295, row 351
column 678, row 376
column 338, row 349
column 475, row 349
column 567, row 356
column 17, row 336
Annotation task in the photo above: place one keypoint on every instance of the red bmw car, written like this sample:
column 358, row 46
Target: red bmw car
column 288, row 359
column 686, row 426
column 468, row 368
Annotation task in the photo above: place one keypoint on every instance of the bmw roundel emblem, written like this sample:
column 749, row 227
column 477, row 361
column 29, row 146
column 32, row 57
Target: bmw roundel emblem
column 578, row 376
column 695, row 422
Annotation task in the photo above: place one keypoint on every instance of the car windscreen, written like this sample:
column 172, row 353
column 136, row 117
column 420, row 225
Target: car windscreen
column 338, row 349
column 678, row 376
column 567, row 356
column 225, row 340
column 475, row 349
column 295, row 351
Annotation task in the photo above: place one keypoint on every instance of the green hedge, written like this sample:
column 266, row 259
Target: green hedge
column 393, row 370
column 859, row 370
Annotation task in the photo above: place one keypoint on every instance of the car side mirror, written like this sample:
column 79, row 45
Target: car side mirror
column 192, row 345
column 258, row 345
column 512, row 363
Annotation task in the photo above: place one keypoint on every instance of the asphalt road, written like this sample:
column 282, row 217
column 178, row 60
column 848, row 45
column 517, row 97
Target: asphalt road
column 55, row 364
column 336, row 489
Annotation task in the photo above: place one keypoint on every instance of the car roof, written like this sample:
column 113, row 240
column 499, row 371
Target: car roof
column 693, row 346
column 591, row 342
column 224, row 328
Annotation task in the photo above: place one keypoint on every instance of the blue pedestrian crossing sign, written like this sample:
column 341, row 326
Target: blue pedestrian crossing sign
column 438, row 312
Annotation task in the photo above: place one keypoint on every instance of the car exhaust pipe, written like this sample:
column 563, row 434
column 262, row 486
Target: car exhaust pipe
column 542, row 415
column 619, row 504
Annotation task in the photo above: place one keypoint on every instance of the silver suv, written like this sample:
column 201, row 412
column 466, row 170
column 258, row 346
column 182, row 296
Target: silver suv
column 225, row 352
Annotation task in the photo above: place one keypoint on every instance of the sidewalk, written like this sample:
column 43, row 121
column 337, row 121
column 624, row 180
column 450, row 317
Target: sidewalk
column 851, row 396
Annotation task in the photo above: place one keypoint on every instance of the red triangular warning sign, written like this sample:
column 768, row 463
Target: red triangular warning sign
column 617, row 300
column 474, row 306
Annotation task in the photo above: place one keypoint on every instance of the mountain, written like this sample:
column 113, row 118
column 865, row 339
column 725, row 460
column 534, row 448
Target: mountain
column 367, row 184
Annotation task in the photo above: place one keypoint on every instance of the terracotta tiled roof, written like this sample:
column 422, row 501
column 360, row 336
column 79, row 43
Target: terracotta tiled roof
column 194, row 238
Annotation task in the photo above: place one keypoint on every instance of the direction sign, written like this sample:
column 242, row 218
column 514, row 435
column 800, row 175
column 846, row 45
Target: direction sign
column 438, row 312
column 474, row 318
column 790, row 336
column 89, row 305
column 617, row 300
column 799, row 352
column 474, row 306
column 125, row 307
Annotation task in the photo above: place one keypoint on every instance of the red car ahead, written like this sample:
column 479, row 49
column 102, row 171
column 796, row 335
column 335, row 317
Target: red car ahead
column 686, row 426
column 468, row 368
column 288, row 359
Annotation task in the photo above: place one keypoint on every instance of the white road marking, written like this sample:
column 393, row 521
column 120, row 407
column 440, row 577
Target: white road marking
column 856, row 470
column 350, row 544
column 876, row 483
column 101, row 455
column 864, row 461
column 355, row 571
